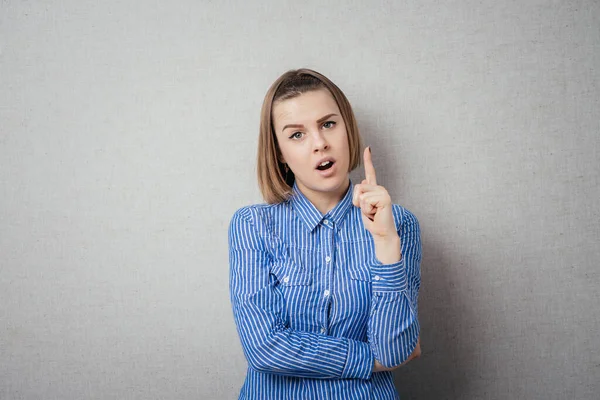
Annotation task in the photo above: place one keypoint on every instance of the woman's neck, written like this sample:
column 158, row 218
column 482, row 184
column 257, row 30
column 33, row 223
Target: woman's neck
column 326, row 201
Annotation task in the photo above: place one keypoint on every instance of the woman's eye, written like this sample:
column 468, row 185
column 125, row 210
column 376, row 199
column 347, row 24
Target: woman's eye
column 296, row 135
column 329, row 124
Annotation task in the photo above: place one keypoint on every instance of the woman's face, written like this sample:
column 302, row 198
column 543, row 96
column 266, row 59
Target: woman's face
column 310, row 129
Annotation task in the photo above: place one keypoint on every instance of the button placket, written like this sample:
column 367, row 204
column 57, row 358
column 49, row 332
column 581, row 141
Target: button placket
column 327, row 247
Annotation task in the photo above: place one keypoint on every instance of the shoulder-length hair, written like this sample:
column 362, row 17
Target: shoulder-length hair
column 275, row 183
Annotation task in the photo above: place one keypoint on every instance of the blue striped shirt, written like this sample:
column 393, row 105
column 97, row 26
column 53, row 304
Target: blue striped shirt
column 312, row 304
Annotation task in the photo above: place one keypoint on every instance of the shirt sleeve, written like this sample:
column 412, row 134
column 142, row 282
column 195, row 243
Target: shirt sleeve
column 393, row 326
column 258, row 306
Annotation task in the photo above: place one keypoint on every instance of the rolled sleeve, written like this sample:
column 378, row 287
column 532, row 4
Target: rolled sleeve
column 388, row 277
column 360, row 360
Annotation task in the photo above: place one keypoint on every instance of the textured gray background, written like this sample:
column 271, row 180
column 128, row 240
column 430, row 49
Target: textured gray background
column 128, row 139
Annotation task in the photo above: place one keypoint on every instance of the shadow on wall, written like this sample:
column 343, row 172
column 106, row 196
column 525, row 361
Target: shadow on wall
column 448, row 357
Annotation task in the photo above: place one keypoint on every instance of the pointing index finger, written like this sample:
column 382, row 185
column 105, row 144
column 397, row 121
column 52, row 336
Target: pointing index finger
column 369, row 168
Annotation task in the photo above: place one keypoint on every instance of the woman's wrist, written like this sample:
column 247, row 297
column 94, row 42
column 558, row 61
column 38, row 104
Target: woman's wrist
column 387, row 250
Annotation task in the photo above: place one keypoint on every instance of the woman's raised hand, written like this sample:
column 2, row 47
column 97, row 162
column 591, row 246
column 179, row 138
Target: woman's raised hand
column 375, row 203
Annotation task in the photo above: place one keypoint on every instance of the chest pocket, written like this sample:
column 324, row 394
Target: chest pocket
column 291, row 273
column 288, row 265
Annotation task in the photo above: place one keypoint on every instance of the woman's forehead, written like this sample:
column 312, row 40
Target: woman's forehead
column 308, row 106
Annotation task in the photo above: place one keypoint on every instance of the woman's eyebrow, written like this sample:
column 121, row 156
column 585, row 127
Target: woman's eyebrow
column 325, row 117
column 302, row 126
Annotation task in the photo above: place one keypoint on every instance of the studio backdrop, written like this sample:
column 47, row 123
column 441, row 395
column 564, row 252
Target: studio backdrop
column 128, row 136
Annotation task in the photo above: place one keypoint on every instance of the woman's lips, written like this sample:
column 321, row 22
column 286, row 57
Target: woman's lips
column 325, row 165
column 328, row 172
column 324, row 159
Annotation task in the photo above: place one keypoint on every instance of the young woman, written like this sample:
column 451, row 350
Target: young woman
column 324, row 277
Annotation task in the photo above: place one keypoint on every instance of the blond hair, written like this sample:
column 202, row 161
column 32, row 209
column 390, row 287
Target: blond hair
column 275, row 183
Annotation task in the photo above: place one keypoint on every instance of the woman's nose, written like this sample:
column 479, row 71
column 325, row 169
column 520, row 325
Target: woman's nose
column 319, row 142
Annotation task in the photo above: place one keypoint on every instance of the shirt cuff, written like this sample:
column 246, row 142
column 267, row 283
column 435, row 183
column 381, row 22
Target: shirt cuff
column 388, row 277
column 359, row 362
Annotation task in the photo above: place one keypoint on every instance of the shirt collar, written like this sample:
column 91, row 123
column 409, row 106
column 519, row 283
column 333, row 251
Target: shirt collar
column 312, row 216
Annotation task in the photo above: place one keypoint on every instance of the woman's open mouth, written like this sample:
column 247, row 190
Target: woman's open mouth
column 325, row 166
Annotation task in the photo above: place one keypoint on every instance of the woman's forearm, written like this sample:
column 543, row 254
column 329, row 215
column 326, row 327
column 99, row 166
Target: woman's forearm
column 378, row 367
column 393, row 324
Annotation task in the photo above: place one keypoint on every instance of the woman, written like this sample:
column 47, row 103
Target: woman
column 324, row 278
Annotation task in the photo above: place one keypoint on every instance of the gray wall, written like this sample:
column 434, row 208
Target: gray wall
column 128, row 139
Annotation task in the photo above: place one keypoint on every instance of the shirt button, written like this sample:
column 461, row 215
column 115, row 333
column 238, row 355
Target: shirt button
column 326, row 293
column 377, row 277
column 327, row 258
column 326, row 222
column 322, row 330
column 286, row 279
